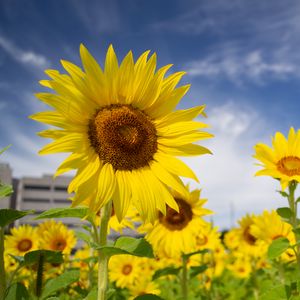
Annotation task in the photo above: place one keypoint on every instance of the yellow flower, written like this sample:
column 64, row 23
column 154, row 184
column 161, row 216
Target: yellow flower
column 283, row 161
column 176, row 232
column 124, row 270
column 56, row 236
column 22, row 240
column 121, row 129
column 208, row 238
column 241, row 267
column 247, row 242
column 269, row 226
column 143, row 286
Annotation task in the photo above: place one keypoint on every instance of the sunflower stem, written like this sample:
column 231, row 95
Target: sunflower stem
column 293, row 218
column 2, row 269
column 184, row 278
column 102, row 258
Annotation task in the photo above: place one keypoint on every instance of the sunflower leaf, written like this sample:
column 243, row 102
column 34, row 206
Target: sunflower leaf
column 128, row 245
column 166, row 271
column 281, row 292
column 32, row 257
column 5, row 190
column 277, row 247
column 197, row 270
column 60, row 282
column 8, row 216
column 4, row 149
column 69, row 212
column 284, row 212
column 17, row 291
column 283, row 194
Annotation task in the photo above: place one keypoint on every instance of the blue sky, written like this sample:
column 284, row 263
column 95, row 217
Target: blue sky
column 241, row 57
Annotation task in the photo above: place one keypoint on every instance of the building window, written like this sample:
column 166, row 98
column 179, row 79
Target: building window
column 37, row 187
column 61, row 188
column 35, row 200
column 62, row 201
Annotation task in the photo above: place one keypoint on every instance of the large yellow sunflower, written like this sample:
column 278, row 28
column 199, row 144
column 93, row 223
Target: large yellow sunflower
column 176, row 232
column 22, row 240
column 283, row 161
column 121, row 129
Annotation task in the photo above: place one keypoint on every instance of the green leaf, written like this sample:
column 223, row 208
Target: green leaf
column 284, row 212
column 8, row 216
column 198, row 270
column 188, row 255
column 277, row 247
column 281, row 292
column 5, row 190
column 92, row 295
column 69, row 212
column 166, row 271
column 54, row 257
column 17, row 291
column 148, row 297
column 283, row 194
column 128, row 245
column 4, row 149
column 83, row 236
column 60, row 282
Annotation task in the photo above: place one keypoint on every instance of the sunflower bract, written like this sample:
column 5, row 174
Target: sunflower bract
column 120, row 125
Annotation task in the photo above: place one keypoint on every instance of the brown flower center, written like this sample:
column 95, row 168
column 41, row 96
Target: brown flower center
column 126, row 270
column 24, row 245
column 174, row 220
column 289, row 165
column 123, row 136
column 201, row 240
column 59, row 244
column 248, row 237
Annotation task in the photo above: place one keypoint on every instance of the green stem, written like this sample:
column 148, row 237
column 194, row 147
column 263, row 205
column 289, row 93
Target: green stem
column 184, row 278
column 2, row 269
column 102, row 258
column 293, row 218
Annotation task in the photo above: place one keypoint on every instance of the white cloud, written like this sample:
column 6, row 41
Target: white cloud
column 227, row 177
column 25, row 57
column 237, row 66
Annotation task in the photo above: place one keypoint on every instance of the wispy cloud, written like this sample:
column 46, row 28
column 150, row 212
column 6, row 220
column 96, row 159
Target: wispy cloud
column 25, row 57
column 227, row 177
column 237, row 66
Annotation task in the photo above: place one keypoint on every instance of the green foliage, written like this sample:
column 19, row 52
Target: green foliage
column 198, row 270
column 165, row 272
column 8, row 216
column 17, row 291
column 284, row 212
column 69, row 212
column 5, row 190
column 60, row 282
column 128, row 245
column 4, row 149
column 281, row 292
column 277, row 247
column 33, row 257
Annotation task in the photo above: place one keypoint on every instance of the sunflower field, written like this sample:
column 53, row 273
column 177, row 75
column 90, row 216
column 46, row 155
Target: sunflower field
column 125, row 137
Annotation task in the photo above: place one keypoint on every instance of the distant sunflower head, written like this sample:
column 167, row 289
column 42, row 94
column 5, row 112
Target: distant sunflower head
column 283, row 160
column 23, row 239
column 269, row 226
column 122, row 131
column 177, row 231
column 124, row 270
column 57, row 237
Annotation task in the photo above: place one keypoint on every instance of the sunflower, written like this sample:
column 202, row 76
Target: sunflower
column 283, row 161
column 208, row 238
column 56, row 236
column 124, row 270
column 176, row 232
column 22, row 240
column 121, row 129
column 269, row 226
column 241, row 267
column 143, row 286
